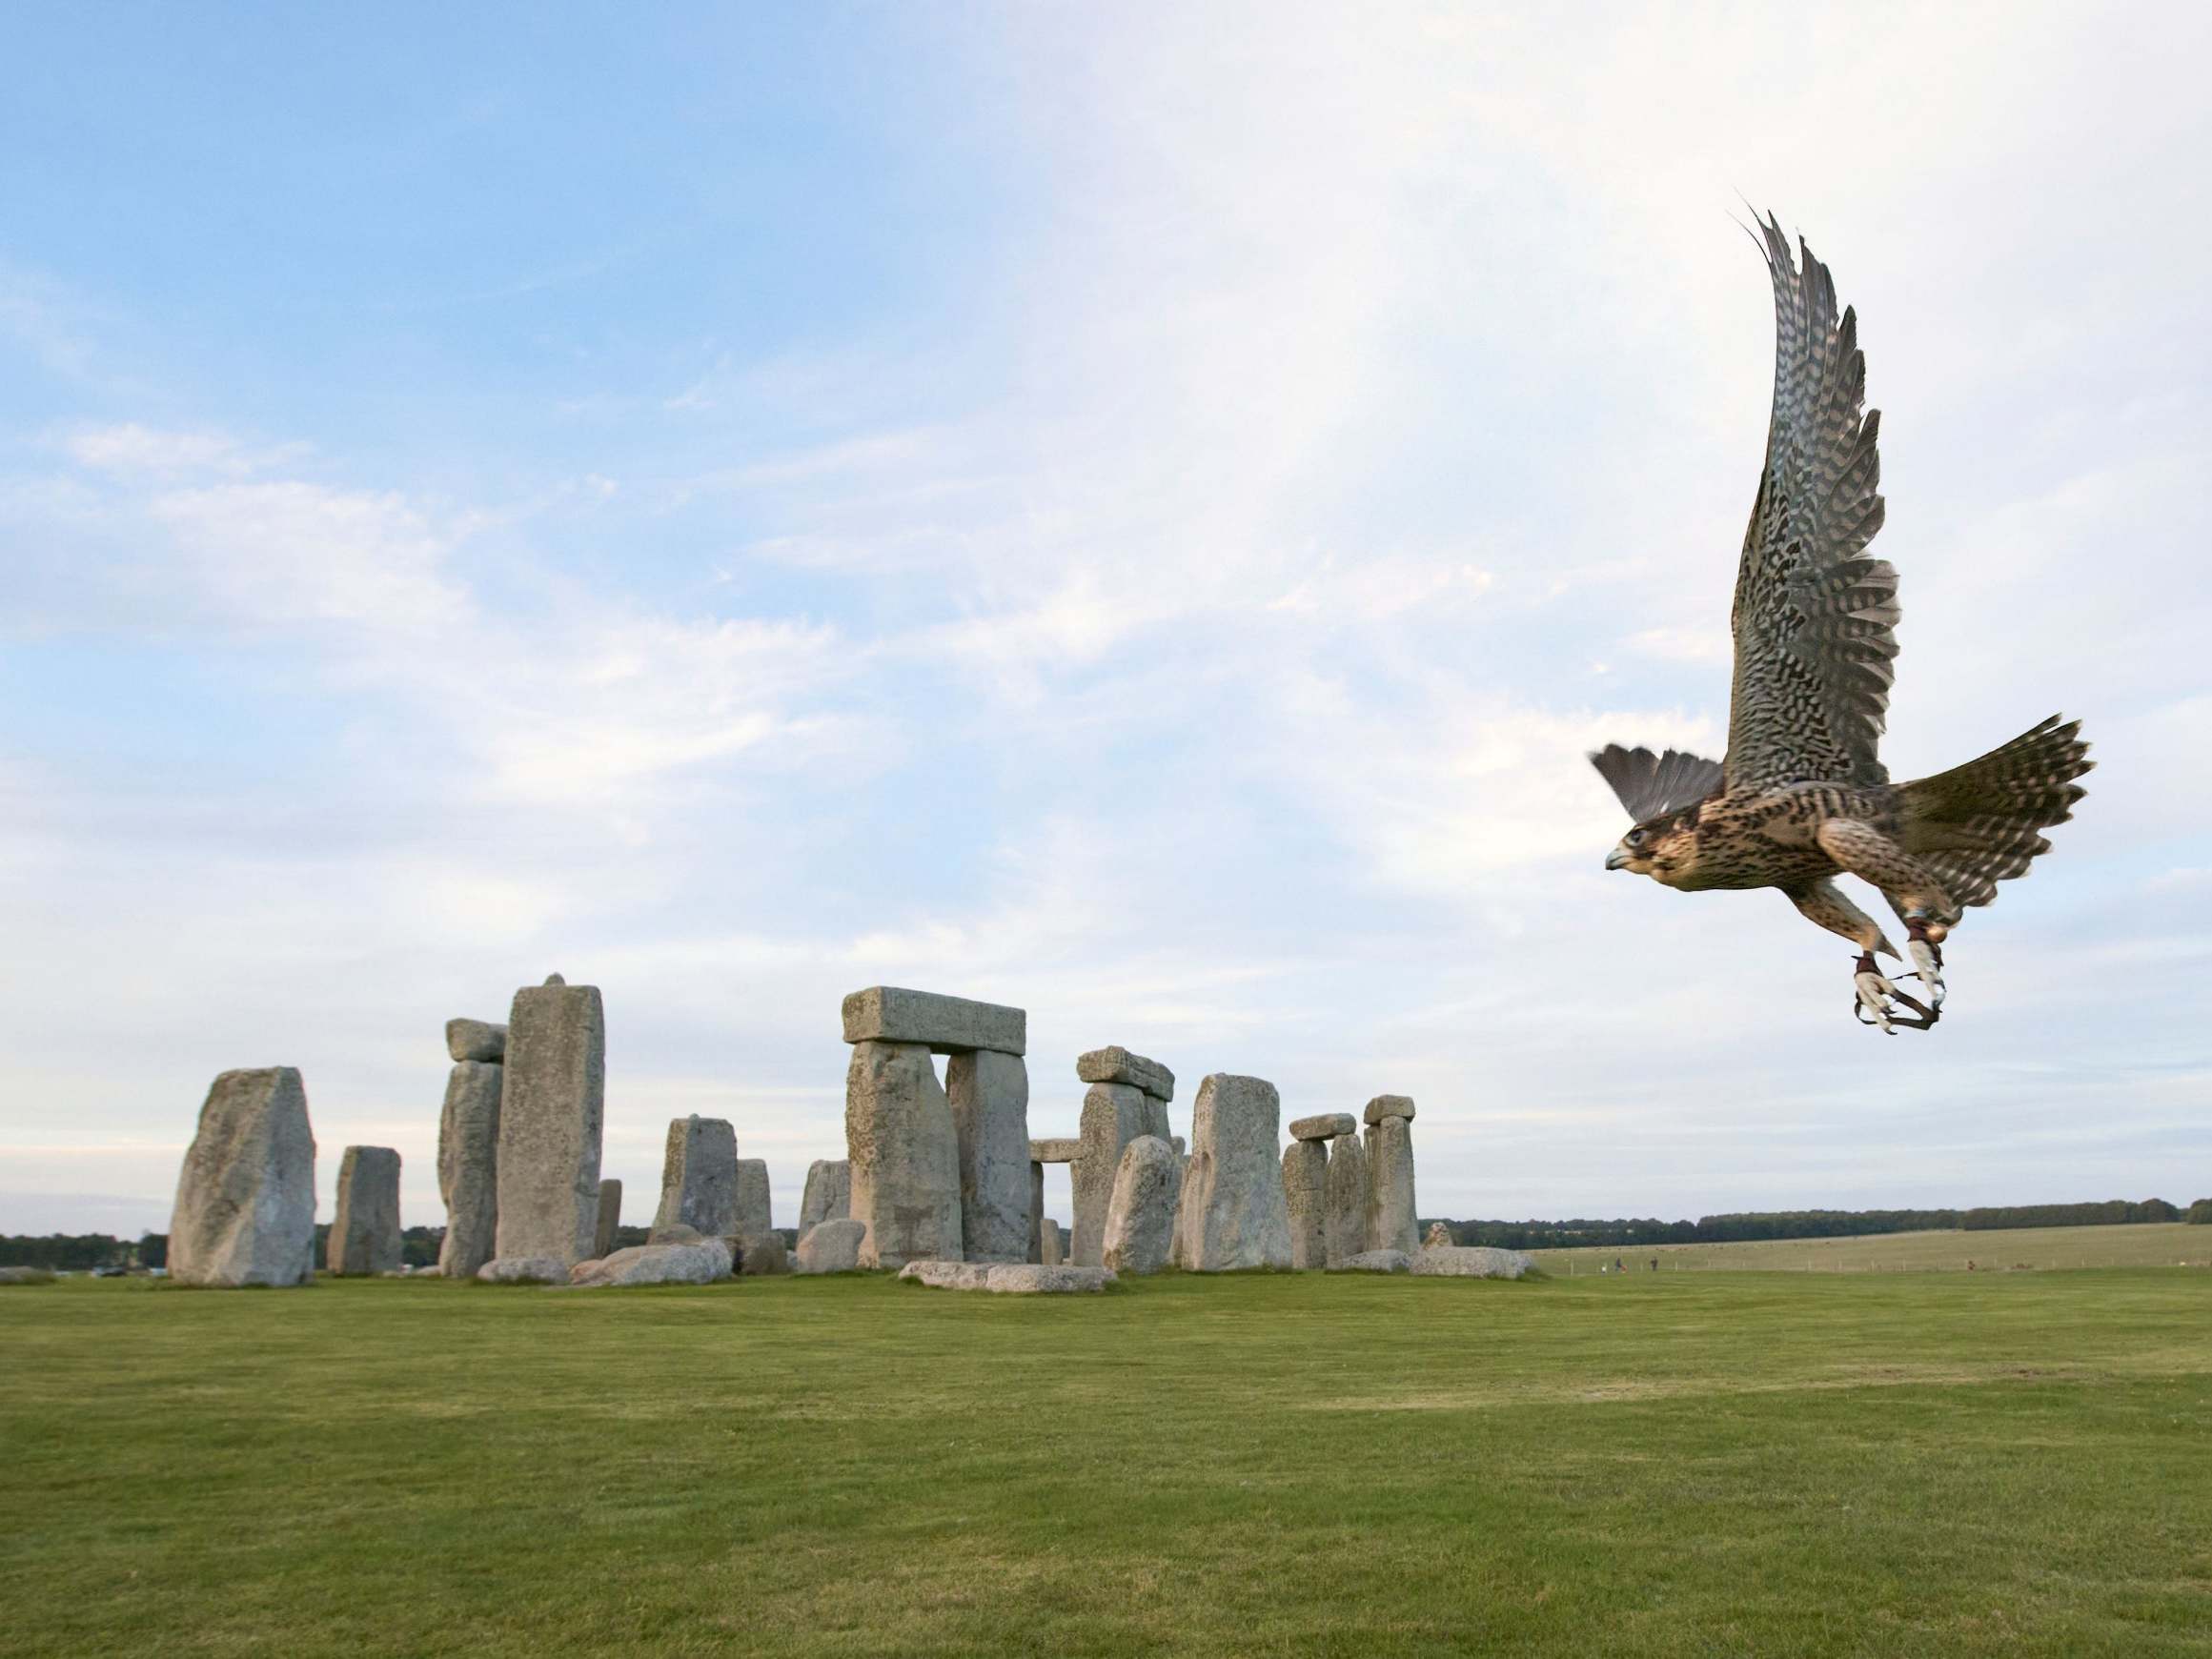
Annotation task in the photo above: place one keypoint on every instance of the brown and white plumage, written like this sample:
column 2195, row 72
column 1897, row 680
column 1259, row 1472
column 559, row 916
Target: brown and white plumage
column 1802, row 794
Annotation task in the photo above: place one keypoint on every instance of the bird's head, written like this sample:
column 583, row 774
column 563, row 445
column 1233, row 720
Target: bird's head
column 1664, row 848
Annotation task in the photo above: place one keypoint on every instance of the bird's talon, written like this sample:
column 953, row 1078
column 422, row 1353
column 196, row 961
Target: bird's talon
column 1874, row 997
column 1929, row 961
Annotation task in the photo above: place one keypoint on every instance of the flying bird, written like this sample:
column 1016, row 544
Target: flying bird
column 1800, row 796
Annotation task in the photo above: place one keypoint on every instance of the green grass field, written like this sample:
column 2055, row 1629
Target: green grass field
column 2143, row 1245
column 1685, row 1463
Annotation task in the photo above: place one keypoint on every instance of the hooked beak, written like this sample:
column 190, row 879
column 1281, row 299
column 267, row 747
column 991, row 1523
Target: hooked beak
column 1617, row 858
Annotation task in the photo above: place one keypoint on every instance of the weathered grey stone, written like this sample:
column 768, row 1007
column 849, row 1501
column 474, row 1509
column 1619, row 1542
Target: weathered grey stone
column 433, row 1271
column 468, row 1164
column 943, row 1275
column 989, row 1094
column 675, row 1233
column 1234, row 1210
column 755, row 1210
column 701, row 1263
column 828, row 1194
column 1113, row 1115
column 552, row 1106
column 904, row 1155
column 1324, row 1126
column 760, row 1254
column 1438, row 1235
column 245, row 1196
column 524, row 1270
column 831, row 1245
column 1051, row 1245
column 1351, row 1200
column 1059, row 1149
column 1376, row 1262
column 1390, row 1106
column 1305, row 1197
column 476, row 1040
column 1390, row 1153
column 944, row 1024
column 610, row 1221
column 699, row 1176
column 1036, row 1212
column 1140, row 1226
column 1030, row 1279
column 1117, row 1065
column 364, row 1237
column 1472, row 1262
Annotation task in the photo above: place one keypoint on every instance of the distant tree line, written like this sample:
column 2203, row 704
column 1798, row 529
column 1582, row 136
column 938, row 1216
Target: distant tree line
column 1809, row 1223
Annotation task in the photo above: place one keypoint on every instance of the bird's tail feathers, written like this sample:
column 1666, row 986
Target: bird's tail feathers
column 1978, row 825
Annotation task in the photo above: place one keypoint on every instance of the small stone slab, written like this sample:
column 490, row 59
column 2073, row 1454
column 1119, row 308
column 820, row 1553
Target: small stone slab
column 1117, row 1065
column 760, row 1254
column 696, row 1263
column 832, row 1246
column 1027, row 1279
column 947, row 1275
column 1324, row 1126
column 1060, row 1149
column 1390, row 1106
column 524, row 1270
column 476, row 1040
column 1376, row 1262
column 946, row 1025
column 1472, row 1262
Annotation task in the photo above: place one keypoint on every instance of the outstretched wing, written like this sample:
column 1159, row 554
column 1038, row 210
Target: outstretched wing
column 1652, row 786
column 1813, row 618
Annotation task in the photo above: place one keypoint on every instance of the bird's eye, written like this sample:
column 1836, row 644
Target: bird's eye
column 1635, row 838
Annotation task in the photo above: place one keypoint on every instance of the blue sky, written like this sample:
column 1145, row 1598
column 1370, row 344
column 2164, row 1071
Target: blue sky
column 1135, row 512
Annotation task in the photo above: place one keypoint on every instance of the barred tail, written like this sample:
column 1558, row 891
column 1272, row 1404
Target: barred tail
column 1976, row 825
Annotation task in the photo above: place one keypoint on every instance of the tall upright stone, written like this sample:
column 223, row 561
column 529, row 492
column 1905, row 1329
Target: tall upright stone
column 1037, row 1212
column 1306, row 1195
column 609, row 1225
column 990, row 1093
column 364, row 1238
column 1141, row 1217
column 468, row 1159
column 1351, row 1200
column 756, row 1217
column 1113, row 1115
column 1390, row 1157
column 245, row 1196
column 1234, row 1214
column 551, row 1116
column 699, row 1176
column 828, row 1193
column 904, row 1156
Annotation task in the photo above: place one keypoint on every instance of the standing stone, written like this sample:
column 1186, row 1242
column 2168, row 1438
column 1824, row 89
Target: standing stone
column 1234, row 1210
column 904, row 1155
column 1306, row 1193
column 610, row 1221
column 989, row 1094
column 1051, row 1245
column 1113, row 1115
column 754, row 1215
column 699, row 1176
column 365, row 1229
column 549, row 1117
column 1037, row 1221
column 468, row 1164
column 1389, row 1155
column 828, row 1194
column 245, row 1197
column 1141, row 1217
column 1349, row 1200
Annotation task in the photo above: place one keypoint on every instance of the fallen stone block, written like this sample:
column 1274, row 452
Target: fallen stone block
column 1376, row 1262
column 699, row 1176
column 552, row 1106
column 944, row 1024
column 1305, row 1196
column 468, row 1164
column 477, row 1039
column 1472, row 1262
column 524, row 1270
column 245, row 1196
column 1323, row 1126
column 904, row 1155
column 1117, row 1065
column 1029, row 1280
column 1390, row 1106
column 832, row 1246
column 701, row 1263
column 947, row 1275
column 989, row 1095
column 1234, row 1215
column 1059, row 1149
column 364, row 1238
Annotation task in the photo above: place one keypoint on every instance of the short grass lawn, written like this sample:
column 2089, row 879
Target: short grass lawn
column 1656, row 1464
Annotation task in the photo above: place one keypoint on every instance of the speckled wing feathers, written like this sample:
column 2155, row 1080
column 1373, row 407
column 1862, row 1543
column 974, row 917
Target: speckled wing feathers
column 1813, row 619
column 1650, row 785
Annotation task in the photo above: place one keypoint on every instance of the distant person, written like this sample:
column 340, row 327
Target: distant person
column 1617, row 1266
column 1654, row 1264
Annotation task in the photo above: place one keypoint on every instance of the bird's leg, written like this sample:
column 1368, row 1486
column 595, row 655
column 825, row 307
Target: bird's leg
column 1823, row 904
column 1911, row 887
column 1923, row 939
column 1874, row 994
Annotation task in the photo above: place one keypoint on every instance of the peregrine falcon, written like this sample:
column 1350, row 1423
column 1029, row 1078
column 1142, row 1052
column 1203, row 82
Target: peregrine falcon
column 1800, row 797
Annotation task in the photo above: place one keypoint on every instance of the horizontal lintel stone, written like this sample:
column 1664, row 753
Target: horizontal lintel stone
column 1062, row 1149
column 1117, row 1065
column 1322, row 1126
column 1390, row 1106
column 944, row 1025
